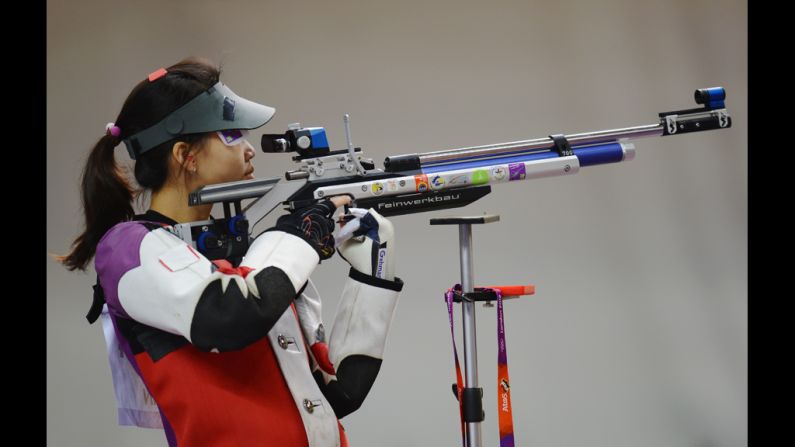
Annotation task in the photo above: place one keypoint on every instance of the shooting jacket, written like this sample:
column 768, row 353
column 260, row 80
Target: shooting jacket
column 236, row 355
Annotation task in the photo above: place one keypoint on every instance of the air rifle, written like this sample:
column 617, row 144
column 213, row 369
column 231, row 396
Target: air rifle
column 414, row 183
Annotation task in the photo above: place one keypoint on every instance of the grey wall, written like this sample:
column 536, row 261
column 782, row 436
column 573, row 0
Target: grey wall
column 637, row 335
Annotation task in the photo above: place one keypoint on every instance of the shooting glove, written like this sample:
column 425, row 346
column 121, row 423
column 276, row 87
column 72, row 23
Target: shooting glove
column 372, row 253
column 313, row 224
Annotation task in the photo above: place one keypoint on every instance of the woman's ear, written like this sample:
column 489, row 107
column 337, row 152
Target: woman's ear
column 180, row 154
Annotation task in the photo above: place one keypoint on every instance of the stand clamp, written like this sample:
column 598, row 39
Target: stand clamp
column 473, row 403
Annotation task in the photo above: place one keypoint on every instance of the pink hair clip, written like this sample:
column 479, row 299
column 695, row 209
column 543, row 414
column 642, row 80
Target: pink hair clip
column 113, row 129
column 157, row 74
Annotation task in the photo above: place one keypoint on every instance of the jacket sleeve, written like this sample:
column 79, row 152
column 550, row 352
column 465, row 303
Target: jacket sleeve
column 357, row 340
column 152, row 276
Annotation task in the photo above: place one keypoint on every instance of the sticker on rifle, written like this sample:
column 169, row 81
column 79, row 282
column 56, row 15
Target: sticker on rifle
column 377, row 188
column 421, row 182
column 391, row 186
column 516, row 171
column 437, row 182
column 480, row 176
column 498, row 172
column 460, row 179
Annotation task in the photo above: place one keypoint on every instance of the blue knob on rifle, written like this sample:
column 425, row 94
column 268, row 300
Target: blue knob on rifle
column 207, row 237
column 237, row 225
column 711, row 97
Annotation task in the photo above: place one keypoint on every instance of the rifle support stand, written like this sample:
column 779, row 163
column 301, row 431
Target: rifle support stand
column 473, row 396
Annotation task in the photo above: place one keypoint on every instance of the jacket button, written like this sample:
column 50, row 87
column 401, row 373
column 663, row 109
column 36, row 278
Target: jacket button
column 310, row 406
column 282, row 341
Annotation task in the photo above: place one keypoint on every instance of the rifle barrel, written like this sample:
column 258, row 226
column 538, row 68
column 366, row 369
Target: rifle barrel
column 538, row 144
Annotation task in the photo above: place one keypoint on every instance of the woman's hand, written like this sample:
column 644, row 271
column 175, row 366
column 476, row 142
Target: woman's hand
column 340, row 200
column 373, row 254
column 313, row 224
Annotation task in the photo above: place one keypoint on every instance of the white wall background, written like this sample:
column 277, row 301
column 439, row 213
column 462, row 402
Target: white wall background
column 637, row 335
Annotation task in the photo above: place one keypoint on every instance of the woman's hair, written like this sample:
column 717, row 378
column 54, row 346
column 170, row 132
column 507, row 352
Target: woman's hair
column 106, row 193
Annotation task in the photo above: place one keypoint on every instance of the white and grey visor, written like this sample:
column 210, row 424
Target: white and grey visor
column 217, row 108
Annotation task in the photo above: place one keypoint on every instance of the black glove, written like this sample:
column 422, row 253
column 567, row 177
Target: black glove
column 312, row 224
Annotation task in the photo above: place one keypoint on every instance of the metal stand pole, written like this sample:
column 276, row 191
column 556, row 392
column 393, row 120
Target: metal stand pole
column 475, row 400
column 473, row 435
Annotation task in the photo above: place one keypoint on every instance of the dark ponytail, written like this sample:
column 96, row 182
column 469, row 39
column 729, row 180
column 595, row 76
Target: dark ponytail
column 106, row 193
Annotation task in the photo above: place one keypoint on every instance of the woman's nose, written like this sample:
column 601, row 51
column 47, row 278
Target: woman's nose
column 250, row 152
